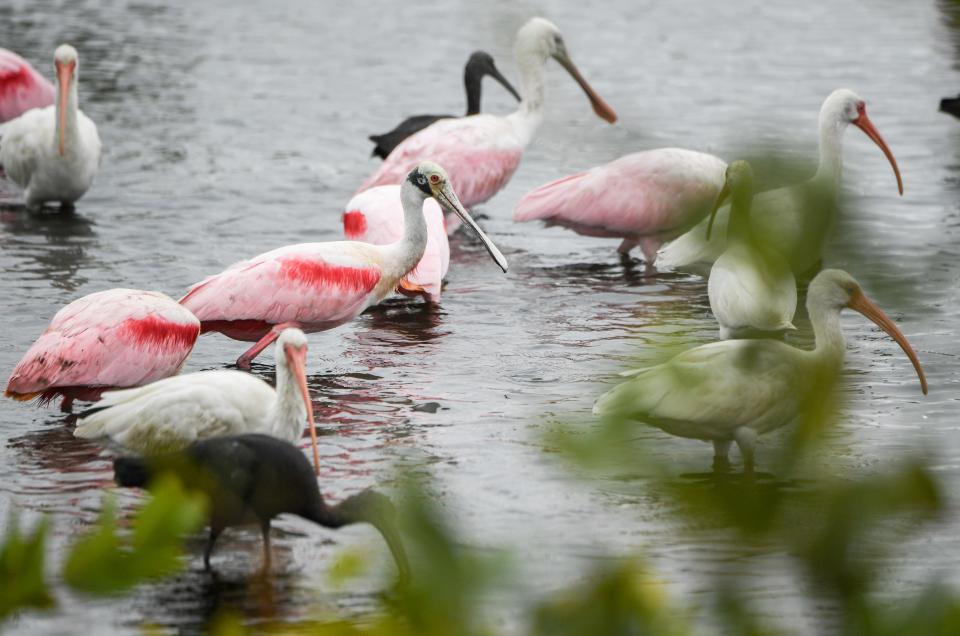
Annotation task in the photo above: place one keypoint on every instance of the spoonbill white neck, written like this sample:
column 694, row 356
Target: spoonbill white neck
column 67, row 65
column 409, row 249
column 537, row 41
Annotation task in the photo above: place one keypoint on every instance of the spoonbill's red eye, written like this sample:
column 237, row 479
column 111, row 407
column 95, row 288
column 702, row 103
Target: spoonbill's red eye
column 434, row 179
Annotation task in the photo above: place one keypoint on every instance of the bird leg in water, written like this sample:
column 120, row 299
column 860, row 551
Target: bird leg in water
column 721, row 450
column 746, row 440
column 243, row 362
column 66, row 406
column 214, row 533
column 265, row 531
column 625, row 246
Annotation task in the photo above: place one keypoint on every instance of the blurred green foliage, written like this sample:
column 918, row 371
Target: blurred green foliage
column 105, row 560
column 21, row 569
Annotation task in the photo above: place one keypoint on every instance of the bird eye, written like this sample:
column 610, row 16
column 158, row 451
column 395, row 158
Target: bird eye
column 434, row 179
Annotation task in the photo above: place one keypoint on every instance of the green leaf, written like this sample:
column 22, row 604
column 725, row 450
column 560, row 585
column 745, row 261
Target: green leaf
column 21, row 563
column 102, row 563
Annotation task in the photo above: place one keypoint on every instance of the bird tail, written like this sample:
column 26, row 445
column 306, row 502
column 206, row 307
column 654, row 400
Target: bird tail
column 131, row 472
column 550, row 199
column 377, row 150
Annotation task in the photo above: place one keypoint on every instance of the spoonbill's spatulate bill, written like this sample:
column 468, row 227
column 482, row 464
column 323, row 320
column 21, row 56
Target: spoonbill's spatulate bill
column 482, row 152
column 172, row 413
column 735, row 390
column 53, row 153
column 478, row 66
column 318, row 286
column 795, row 220
column 645, row 198
column 751, row 287
column 21, row 87
column 376, row 216
column 251, row 479
column 109, row 339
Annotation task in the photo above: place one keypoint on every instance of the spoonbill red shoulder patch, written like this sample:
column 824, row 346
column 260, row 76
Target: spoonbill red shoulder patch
column 320, row 274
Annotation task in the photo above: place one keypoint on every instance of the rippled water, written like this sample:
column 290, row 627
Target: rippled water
column 228, row 132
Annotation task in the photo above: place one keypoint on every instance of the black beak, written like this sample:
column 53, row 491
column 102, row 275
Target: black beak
column 493, row 72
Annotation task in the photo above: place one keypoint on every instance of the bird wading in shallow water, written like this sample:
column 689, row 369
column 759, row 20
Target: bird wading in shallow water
column 251, row 479
column 319, row 286
column 172, row 413
column 644, row 198
column 735, row 390
column 482, row 152
column 478, row 66
column 106, row 340
column 376, row 216
column 795, row 221
column 751, row 288
column 53, row 153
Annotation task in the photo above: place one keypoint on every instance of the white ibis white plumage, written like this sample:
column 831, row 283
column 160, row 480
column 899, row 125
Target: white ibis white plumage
column 174, row 412
column 53, row 153
column 735, row 390
column 751, row 287
column 796, row 221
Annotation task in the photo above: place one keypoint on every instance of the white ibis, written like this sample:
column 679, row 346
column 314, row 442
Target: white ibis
column 751, row 287
column 53, row 153
column 174, row 412
column 795, row 221
column 735, row 390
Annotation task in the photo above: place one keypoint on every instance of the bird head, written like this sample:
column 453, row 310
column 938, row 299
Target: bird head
column 539, row 39
column 432, row 181
column 835, row 289
column 843, row 107
column 376, row 509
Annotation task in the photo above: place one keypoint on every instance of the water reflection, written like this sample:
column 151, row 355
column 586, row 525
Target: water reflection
column 66, row 237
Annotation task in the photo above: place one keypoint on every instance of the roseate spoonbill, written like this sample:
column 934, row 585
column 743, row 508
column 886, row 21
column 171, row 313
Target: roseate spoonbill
column 735, row 390
column 254, row 478
column 751, row 287
column 53, row 153
column 796, row 220
column 376, row 216
column 479, row 65
column 318, row 286
column 645, row 198
column 109, row 339
column 21, row 87
column 172, row 413
column 481, row 152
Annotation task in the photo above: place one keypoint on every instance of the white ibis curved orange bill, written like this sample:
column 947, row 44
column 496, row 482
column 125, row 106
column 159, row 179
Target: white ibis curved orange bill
column 796, row 221
column 169, row 414
column 735, row 390
column 53, row 153
column 751, row 287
